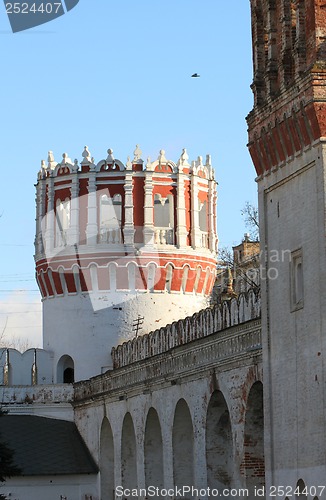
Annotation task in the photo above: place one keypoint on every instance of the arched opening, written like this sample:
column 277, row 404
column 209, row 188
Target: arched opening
column 301, row 490
column 107, row 461
column 110, row 218
column 182, row 439
column 62, row 221
column 185, row 279
column 198, row 274
column 219, row 447
column 153, row 451
column 254, row 462
column 163, row 219
column 113, row 277
column 203, row 225
column 151, row 272
column 168, row 278
column 131, row 276
column 128, row 454
column 65, row 370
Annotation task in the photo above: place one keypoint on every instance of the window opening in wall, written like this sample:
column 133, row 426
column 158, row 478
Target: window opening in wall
column 296, row 278
column 164, row 219
column 65, row 370
column 62, row 221
column 110, row 218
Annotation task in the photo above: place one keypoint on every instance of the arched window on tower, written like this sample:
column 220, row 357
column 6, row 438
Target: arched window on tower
column 110, row 218
column 168, row 278
column 203, row 226
column 65, row 370
column 164, row 219
column 62, row 221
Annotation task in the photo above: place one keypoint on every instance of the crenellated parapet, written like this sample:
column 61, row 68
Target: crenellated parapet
column 95, row 213
column 245, row 307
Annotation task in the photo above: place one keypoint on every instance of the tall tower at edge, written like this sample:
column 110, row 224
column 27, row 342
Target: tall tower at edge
column 120, row 250
column 287, row 143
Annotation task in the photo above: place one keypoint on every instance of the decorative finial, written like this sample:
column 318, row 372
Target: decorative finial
column 199, row 161
column 86, row 156
column 161, row 157
column 137, row 153
column 66, row 159
column 183, row 160
column 76, row 165
column 51, row 162
column 42, row 172
column 129, row 164
column 110, row 158
column 149, row 163
column 208, row 161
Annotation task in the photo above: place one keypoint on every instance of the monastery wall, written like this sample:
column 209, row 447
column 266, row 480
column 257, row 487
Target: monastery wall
column 174, row 397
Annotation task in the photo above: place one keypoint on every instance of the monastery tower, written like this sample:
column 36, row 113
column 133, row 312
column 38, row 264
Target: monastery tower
column 287, row 142
column 120, row 250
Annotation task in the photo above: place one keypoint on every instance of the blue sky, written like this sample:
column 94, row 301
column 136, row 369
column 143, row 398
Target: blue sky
column 113, row 74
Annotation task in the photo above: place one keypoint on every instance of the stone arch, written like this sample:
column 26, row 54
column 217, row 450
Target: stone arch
column 62, row 278
column 197, row 279
column 301, row 488
column 184, row 280
column 128, row 454
column 219, row 445
column 113, row 276
column 153, row 451
column 254, row 462
column 203, row 224
column 182, row 440
column 132, row 270
column 93, row 271
column 65, row 370
column 62, row 217
column 107, row 461
column 75, row 272
column 206, row 287
column 151, row 276
column 169, row 277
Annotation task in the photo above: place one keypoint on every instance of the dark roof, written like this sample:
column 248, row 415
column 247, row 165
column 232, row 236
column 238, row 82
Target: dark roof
column 46, row 446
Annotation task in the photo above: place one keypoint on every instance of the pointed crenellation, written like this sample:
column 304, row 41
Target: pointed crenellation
column 149, row 166
column 199, row 162
column 128, row 164
column 110, row 158
column 161, row 157
column 183, row 160
column 137, row 155
column 51, row 163
column 65, row 160
column 87, row 160
column 76, row 166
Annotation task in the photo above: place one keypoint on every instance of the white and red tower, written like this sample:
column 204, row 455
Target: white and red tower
column 120, row 250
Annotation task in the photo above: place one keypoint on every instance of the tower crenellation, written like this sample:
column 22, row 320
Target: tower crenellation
column 116, row 242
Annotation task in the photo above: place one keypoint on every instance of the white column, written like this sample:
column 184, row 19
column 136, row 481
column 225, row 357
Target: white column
column 148, row 209
column 211, row 218
column 40, row 209
column 73, row 233
column 195, row 230
column 49, row 233
column 181, row 211
column 91, row 228
column 129, row 229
